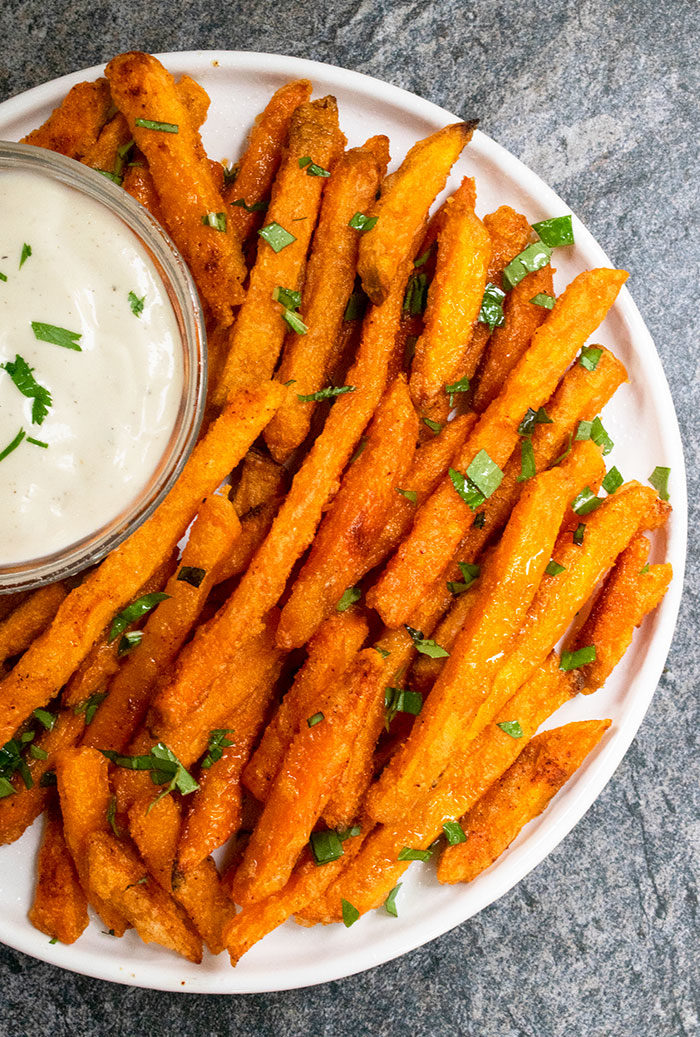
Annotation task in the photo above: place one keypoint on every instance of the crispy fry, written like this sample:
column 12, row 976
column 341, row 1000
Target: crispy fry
column 258, row 334
column 201, row 893
column 294, row 527
column 143, row 90
column 311, row 768
column 330, row 652
column 194, row 98
column 631, row 591
column 454, row 301
column 116, row 875
column 19, row 810
column 102, row 661
column 138, row 182
column 51, row 659
column 60, row 907
column 257, row 169
column 215, row 529
column 520, row 795
column 83, row 788
column 73, row 128
column 508, row 583
column 330, row 277
column 215, row 808
column 401, row 210
column 342, row 550
column 307, row 882
column 154, row 825
column 29, row 619
column 444, row 518
column 374, row 872
column 253, row 668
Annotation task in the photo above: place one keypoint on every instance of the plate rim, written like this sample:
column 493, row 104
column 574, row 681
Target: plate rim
column 611, row 753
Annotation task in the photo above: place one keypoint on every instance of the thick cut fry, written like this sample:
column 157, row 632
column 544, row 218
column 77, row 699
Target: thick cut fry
column 215, row 529
column 374, row 872
column 342, row 550
column 505, row 590
column 215, row 808
column 519, row 796
column 20, row 809
column 632, row 590
column 29, row 619
column 311, row 768
column 154, row 825
column 83, row 788
column 330, row 652
column 330, row 277
column 307, row 882
column 258, row 334
column 201, row 894
column 116, row 874
column 508, row 343
column 294, row 527
column 145, row 91
column 402, row 208
column 257, row 169
column 73, row 128
column 138, row 182
column 444, row 518
column 60, row 907
column 102, row 661
column 454, row 301
column 51, row 659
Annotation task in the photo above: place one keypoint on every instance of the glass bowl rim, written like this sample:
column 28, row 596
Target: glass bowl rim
column 180, row 289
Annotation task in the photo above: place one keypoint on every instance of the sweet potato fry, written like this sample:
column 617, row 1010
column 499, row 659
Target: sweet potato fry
column 444, row 518
column 19, row 810
column 29, row 619
column 403, row 205
column 257, row 169
column 307, row 882
column 371, row 876
column 508, row 342
column 215, row 809
column 454, row 301
column 83, row 788
column 631, row 590
column 509, row 232
column 342, row 550
column 330, row 277
column 102, row 661
column 104, row 154
column 253, row 668
column 138, row 182
column 201, row 893
column 330, row 652
column 51, row 659
column 311, row 768
column 116, row 874
column 294, row 527
column 214, row 531
column 60, row 907
column 258, row 334
column 147, row 96
column 154, row 825
column 73, row 128
column 519, row 796
column 507, row 585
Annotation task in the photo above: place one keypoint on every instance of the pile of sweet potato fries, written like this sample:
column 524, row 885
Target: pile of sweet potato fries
column 396, row 521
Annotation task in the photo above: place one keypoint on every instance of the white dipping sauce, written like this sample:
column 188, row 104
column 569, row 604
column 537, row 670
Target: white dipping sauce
column 115, row 402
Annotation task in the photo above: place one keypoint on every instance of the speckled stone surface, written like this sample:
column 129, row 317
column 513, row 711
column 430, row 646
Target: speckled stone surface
column 600, row 98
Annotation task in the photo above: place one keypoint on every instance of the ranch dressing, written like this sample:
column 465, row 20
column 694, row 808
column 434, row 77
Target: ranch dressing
column 114, row 402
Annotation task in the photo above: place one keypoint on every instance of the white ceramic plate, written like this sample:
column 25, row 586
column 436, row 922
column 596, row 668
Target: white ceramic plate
column 643, row 424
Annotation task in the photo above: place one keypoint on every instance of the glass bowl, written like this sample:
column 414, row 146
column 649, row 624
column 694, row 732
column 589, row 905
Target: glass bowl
column 184, row 300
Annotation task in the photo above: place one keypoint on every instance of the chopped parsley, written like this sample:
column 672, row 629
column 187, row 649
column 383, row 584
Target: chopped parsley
column 581, row 657
column 315, row 719
column 612, row 481
column 659, row 480
column 218, row 741
column 390, row 902
column 25, row 254
column 401, row 700
column 22, row 375
column 491, row 312
column 326, row 846
column 215, row 220
column 454, row 833
column 350, row 913
column 556, row 231
column 89, row 706
column 512, row 728
column 533, row 257
column 191, row 574
column 133, row 612
column 585, row 502
column 162, row 127
column 136, row 303
column 362, row 223
column 426, row 646
column 461, row 386
column 255, row 207
column 56, row 336
column 163, row 764
column 409, row 854
column 543, row 299
column 328, row 393
column 311, row 168
column 416, row 297
column 590, row 355
column 532, row 418
column 276, row 236
column 411, row 495
column 470, row 572
column 554, row 568
column 482, row 479
column 6, row 451
column 349, row 597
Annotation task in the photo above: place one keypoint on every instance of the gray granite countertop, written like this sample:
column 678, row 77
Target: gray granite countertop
column 600, row 98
